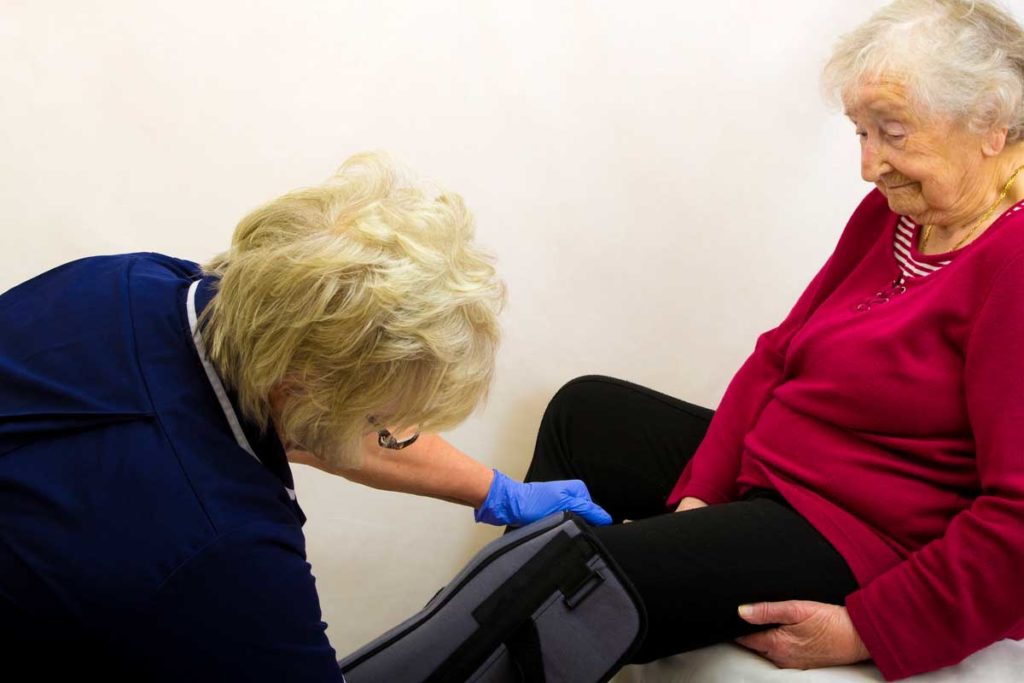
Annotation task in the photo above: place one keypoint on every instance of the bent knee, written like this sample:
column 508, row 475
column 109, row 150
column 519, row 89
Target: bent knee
column 582, row 393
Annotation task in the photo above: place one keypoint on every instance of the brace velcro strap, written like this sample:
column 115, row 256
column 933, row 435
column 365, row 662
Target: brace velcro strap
column 561, row 565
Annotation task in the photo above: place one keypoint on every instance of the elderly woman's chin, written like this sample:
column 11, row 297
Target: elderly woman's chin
column 905, row 199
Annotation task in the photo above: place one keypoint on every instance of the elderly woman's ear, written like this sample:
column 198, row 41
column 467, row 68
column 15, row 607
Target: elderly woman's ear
column 994, row 142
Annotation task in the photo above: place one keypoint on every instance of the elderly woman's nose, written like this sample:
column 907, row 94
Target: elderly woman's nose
column 873, row 163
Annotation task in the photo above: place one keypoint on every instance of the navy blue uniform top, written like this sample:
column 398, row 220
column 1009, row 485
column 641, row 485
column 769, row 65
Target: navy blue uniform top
column 138, row 536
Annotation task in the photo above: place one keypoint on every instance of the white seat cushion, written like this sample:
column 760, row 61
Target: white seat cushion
column 1002, row 662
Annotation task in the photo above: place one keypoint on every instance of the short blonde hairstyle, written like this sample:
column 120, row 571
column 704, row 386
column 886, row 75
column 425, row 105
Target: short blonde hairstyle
column 961, row 59
column 364, row 296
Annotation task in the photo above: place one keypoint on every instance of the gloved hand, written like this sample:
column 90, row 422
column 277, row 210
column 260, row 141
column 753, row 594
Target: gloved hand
column 515, row 503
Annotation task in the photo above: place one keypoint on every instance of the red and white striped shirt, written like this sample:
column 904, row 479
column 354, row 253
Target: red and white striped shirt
column 912, row 262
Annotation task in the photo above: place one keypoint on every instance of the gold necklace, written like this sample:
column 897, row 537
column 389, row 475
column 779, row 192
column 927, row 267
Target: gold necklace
column 1002, row 196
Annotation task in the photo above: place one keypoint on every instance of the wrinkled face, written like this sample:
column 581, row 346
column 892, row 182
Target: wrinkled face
column 931, row 169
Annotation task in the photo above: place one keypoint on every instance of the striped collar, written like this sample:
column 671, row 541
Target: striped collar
column 913, row 263
column 904, row 250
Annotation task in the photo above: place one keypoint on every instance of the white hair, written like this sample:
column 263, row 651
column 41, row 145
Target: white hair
column 962, row 59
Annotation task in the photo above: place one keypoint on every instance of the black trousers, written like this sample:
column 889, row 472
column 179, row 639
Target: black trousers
column 692, row 569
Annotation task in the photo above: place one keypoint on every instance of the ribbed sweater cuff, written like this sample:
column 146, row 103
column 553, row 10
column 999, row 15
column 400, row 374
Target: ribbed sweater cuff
column 885, row 659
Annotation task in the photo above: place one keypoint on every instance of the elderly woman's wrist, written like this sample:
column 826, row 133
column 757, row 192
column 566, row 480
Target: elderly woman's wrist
column 708, row 495
column 860, row 650
column 690, row 503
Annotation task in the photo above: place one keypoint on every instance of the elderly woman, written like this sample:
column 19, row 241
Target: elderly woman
column 149, row 409
column 860, row 490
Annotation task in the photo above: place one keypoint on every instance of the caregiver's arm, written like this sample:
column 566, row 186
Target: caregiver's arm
column 429, row 467
column 433, row 467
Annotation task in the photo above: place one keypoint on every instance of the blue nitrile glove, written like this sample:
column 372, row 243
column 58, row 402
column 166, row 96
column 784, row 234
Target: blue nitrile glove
column 515, row 503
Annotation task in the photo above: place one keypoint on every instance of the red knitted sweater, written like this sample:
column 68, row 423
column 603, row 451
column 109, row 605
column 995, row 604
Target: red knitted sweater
column 897, row 429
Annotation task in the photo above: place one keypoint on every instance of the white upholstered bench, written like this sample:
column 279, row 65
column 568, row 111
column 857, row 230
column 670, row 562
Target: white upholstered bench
column 1002, row 662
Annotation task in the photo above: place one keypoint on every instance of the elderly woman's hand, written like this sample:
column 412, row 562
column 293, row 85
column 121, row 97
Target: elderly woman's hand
column 810, row 634
column 690, row 503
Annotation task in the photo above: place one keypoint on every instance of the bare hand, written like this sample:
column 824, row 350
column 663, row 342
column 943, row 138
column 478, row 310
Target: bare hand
column 690, row 503
column 811, row 634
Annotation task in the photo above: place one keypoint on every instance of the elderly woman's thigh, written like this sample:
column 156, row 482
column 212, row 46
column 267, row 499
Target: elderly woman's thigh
column 693, row 569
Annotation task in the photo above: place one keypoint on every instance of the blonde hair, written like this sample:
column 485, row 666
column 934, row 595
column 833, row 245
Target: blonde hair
column 360, row 297
column 960, row 58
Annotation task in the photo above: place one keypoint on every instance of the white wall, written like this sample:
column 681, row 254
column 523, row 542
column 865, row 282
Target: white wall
column 658, row 180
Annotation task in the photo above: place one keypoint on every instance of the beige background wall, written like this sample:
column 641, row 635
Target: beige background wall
column 658, row 180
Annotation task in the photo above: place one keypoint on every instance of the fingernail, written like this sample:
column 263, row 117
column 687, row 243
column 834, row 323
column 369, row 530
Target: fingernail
column 746, row 610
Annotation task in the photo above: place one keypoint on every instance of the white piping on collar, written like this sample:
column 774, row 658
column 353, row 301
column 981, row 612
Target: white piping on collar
column 215, row 381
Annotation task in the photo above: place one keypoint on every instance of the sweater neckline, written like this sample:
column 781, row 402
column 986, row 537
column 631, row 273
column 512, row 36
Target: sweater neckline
column 949, row 255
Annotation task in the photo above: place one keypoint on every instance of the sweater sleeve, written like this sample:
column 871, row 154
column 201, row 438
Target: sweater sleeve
column 712, row 472
column 962, row 592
